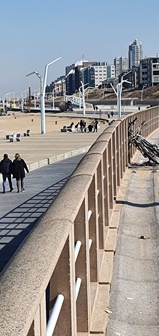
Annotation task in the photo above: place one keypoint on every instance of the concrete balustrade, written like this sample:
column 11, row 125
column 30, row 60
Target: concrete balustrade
column 59, row 281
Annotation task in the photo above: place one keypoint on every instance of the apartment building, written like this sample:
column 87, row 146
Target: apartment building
column 135, row 53
column 110, row 71
column 100, row 72
column 149, row 71
column 90, row 73
column 121, row 64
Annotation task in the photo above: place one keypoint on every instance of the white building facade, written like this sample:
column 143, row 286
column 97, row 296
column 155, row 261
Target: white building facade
column 100, row 73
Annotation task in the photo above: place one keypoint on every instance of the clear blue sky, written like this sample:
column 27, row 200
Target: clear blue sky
column 35, row 32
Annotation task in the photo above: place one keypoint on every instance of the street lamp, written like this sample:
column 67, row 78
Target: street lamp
column 142, row 91
column 42, row 92
column 23, row 97
column 118, row 94
column 83, row 96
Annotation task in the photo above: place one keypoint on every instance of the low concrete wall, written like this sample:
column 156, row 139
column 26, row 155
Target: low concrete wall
column 70, row 253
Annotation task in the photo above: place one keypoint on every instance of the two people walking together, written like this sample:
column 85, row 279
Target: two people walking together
column 16, row 168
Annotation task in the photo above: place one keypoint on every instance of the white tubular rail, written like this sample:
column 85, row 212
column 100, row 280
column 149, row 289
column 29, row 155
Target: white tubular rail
column 77, row 286
column 54, row 315
column 77, row 248
column 89, row 214
column 90, row 243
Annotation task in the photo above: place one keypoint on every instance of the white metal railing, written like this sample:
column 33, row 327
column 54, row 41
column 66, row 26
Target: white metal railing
column 77, row 249
column 77, row 101
column 77, row 286
column 89, row 214
column 90, row 243
column 54, row 315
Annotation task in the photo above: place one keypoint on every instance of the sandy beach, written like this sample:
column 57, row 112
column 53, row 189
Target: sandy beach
column 19, row 123
column 42, row 146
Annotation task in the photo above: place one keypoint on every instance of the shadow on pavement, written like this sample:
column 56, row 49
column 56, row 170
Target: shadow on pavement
column 17, row 224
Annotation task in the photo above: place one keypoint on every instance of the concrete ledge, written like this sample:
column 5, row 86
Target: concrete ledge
column 43, row 163
column 52, row 159
column 106, row 272
column 99, row 315
column 114, row 221
column 111, row 240
column 33, row 166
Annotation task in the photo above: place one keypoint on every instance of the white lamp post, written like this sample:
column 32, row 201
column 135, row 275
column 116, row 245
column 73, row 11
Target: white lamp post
column 142, row 91
column 79, row 97
column 118, row 94
column 83, row 97
column 42, row 92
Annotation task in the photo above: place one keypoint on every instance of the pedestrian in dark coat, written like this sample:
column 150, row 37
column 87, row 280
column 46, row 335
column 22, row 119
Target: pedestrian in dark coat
column 6, row 169
column 19, row 167
column 95, row 125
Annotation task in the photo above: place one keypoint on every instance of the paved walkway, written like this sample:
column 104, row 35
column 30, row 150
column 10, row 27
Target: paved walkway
column 19, row 213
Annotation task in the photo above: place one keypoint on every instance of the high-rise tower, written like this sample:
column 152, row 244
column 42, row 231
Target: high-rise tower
column 135, row 53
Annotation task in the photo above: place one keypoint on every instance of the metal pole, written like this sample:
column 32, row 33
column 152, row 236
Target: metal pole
column 53, row 103
column 119, row 89
column 83, row 98
column 43, row 95
column 77, row 248
column 142, row 91
column 79, row 99
column 42, row 106
column 77, row 286
column 54, row 315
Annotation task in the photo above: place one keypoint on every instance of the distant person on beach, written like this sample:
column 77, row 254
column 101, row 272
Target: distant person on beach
column 82, row 125
column 95, row 125
column 19, row 167
column 6, row 169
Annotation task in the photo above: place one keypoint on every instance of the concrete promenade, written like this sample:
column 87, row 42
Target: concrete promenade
column 19, row 213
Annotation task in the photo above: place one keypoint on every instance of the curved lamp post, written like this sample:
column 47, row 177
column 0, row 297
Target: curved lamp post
column 142, row 91
column 42, row 92
column 83, row 97
column 118, row 94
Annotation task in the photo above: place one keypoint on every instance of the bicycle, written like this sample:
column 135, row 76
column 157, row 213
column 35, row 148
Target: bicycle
column 147, row 149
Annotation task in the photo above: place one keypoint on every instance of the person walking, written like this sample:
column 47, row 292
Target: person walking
column 18, row 168
column 6, row 169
